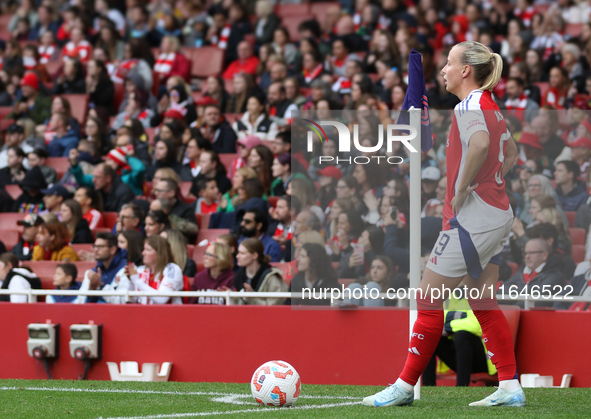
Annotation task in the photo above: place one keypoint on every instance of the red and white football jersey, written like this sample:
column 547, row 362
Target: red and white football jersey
column 82, row 51
column 487, row 207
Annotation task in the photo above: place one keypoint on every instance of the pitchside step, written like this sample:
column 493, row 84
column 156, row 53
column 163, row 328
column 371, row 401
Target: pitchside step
column 537, row 380
column 130, row 371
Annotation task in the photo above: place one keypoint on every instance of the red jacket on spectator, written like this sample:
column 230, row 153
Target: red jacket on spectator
column 248, row 66
column 173, row 64
column 82, row 51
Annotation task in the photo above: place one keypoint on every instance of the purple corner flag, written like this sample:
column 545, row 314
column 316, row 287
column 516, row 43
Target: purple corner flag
column 416, row 95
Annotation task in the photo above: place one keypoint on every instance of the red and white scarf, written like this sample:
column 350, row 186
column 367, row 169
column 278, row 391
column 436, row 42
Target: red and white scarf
column 221, row 41
column 30, row 63
column 517, row 106
column 195, row 168
column 164, row 63
column 384, row 22
column 282, row 231
column 80, row 51
column 311, row 76
column 524, row 15
column 141, row 116
column 46, row 52
column 556, row 97
column 342, row 86
column 356, row 21
column 123, row 70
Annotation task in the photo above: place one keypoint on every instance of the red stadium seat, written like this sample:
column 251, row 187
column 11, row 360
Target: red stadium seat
column 570, row 215
column 544, row 86
column 60, row 164
column 14, row 191
column 577, row 235
column 185, row 188
column 156, row 83
column 578, row 253
column 208, row 61
column 287, row 10
column 100, row 230
column 5, row 123
column 346, row 281
column 151, row 134
column 210, row 234
column 79, row 105
column 203, row 220
column 8, row 220
column 5, row 111
column 228, row 159
column 573, row 29
column 5, row 20
column 54, row 68
column 118, row 96
column 82, row 246
column 110, row 219
column 320, row 9
column 292, row 22
column 190, row 250
column 46, row 269
column 10, row 238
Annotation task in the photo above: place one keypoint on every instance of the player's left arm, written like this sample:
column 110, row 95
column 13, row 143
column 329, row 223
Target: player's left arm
column 475, row 157
column 510, row 156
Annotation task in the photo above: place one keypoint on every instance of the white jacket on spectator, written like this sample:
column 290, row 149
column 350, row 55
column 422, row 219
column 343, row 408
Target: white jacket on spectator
column 120, row 283
column 263, row 127
column 18, row 283
column 171, row 280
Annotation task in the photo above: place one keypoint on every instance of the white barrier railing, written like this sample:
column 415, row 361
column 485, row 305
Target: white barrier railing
column 229, row 295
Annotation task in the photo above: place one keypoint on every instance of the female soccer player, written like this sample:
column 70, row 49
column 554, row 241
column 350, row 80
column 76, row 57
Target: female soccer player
column 477, row 221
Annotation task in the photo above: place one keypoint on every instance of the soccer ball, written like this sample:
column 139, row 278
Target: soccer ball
column 275, row 383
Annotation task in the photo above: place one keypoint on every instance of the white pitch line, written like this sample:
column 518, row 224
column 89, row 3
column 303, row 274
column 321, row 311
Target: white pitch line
column 175, row 393
column 232, row 412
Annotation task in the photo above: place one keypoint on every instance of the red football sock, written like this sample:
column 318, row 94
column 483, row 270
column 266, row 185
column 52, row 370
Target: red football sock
column 425, row 337
column 496, row 334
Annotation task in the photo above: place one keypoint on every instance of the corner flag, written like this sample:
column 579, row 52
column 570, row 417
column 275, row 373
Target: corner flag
column 416, row 95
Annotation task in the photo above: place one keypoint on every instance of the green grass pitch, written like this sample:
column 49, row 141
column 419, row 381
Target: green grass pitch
column 107, row 399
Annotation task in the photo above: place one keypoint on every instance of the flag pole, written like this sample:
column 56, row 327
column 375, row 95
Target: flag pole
column 415, row 222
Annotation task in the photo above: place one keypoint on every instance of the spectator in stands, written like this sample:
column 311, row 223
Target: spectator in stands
column 54, row 197
column 254, row 223
column 281, row 173
column 48, row 50
column 559, row 84
column 133, row 242
column 537, row 185
column 108, row 273
column 45, row 23
column 255, row 121
column 212, row 168
column 260, row 158
column 64, row 279
column 315, row 273
column 570, row 191
column 139, row 27
column 312, row 68
column 243, row 145
column 208, row 196
column 246, row 63
column 171, row 62
column 110, row 42
column 31, row 62
column 539, row 270
column 357, row 262
column 59, row 105
column 13, row 57
column 381, row 277
column 178, row 246
column 266, row 22
column 71, row 217
column 156, row 223
column 78, row 47
column 195, row 146
column 99, row 86
column 52, row 244
column 65, row 137
column 218, row 262
column 517, row 103
column 256, row 275
column 553, row 216
column 280, row 107
column 280, row 226
column 14, row 172
column 217, row 130
column 338, row 205
column 72, row 80
column 580, row 153
column 292, row 91
column 90, row 206
column 32, row 104
column 139, row 143
column 135, row 71
column 38, row 157
column 95, row 133
column 216, row 91
column 31, row 200
column 113, row 191
column 16, row 279
column 136, row 108
column 23, row 250
column 159, row 272
column 169, row 189
column 231, row 199
column 131, row 217
column 350, row 225
column 14, row 136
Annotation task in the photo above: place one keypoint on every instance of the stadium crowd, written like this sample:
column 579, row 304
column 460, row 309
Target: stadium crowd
column 117, row 148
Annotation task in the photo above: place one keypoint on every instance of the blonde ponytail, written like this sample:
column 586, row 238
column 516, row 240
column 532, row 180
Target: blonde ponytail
column 486, row 66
